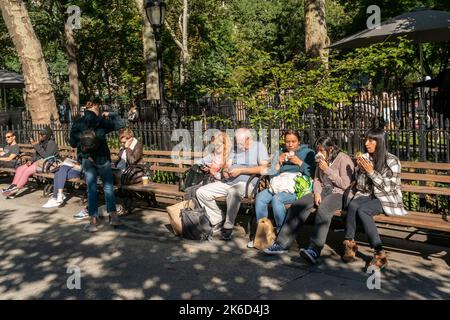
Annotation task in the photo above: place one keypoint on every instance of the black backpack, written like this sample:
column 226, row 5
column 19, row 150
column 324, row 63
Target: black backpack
column 133, row 174
column 89, row 143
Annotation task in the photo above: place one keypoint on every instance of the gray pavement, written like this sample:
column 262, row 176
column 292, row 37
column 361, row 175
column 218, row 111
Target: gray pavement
column 143, row 260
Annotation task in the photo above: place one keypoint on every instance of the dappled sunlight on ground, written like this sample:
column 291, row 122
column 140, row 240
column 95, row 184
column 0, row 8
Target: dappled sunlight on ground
column 143, row 260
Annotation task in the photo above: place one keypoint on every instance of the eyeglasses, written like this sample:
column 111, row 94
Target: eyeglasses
column 7, row 137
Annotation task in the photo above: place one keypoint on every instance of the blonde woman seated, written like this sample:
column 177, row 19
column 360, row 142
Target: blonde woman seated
column 214, row 163
column 219, row 158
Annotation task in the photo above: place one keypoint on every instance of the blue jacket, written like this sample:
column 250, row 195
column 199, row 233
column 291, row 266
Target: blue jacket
column 102, row 126
column 304, row 153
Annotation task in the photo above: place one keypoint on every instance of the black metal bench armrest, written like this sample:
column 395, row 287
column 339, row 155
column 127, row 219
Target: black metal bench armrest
column 252, row 195
column 22, row 158
column 51, row 163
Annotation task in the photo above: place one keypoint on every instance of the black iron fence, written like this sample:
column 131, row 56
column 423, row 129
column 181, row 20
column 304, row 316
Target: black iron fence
column 408, row 142
column 413, row 133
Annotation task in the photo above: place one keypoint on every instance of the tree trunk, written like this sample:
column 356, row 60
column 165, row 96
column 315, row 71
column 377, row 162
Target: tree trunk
column 183, row 21
column 39, row 96
column 151, row 69
column 73, row 69
column 184, row 49
column 316, row 37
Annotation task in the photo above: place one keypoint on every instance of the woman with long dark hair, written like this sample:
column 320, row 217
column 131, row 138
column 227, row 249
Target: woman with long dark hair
column 378, row 191
column 334, row 175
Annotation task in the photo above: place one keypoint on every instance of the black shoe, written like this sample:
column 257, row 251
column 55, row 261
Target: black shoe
column 11, row 192
column 9, row 188
column 226, row 234
column 309, row 255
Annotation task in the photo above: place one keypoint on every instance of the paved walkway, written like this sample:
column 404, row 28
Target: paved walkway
column 145, row 261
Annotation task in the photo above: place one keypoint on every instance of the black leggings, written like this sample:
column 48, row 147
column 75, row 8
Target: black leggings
column 298, row 213
column 366, row 208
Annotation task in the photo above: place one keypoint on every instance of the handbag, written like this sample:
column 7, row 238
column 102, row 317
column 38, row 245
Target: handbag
column 265, row 234
column 174, row 212
column 194, row 176
column 284, row 182
column 133, row 174
column 195, row 224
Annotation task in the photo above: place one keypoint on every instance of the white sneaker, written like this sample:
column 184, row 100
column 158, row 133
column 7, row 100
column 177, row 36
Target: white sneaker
column 60, row 198
column 83, row 214
column 90, row 227
column 52, row 203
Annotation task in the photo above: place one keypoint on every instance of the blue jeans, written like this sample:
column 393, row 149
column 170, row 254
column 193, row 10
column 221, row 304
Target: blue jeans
column 278, row 201
column 64, row 173
column 91, row 172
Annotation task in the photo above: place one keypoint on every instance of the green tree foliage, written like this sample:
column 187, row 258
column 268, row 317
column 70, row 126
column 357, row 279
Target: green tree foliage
column 238, row 47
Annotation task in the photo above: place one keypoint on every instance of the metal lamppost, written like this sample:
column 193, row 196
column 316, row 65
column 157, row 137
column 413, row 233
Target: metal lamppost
column 155, row 10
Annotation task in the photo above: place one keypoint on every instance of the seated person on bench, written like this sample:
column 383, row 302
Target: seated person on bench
column 8, row 156
column 219, row 158
column 130, row 150
column 333, row 178
column 44, row 148
column 70, row 169
column 378, row 191
column 294, row 159
column 251, row 158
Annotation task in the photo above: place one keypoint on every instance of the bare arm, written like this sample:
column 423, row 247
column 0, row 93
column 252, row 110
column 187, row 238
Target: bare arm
column 12, row 156
column 251, row 170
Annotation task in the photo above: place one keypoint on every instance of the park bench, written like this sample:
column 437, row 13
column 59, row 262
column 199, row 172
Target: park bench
column 420, row 178
column 433, row 179
column 159, row 161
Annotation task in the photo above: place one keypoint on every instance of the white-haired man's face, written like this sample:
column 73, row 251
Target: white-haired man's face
column 243, row 140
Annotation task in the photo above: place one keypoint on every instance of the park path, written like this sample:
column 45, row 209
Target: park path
column 144, row 261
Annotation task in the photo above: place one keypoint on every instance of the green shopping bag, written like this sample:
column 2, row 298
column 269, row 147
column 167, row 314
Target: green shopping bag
column 303, row 186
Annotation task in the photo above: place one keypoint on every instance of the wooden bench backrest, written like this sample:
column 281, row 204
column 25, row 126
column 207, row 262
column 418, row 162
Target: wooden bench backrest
column 429, row 173
column 164, row 161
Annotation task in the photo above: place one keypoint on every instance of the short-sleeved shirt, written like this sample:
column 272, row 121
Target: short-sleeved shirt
column 9, row 150
column 250, row 158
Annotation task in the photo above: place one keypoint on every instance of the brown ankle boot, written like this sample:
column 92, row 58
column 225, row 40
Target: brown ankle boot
column 379, row 259
column 350, row 249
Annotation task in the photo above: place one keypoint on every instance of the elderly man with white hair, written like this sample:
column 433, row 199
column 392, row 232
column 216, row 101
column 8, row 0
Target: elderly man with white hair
column 250, row 158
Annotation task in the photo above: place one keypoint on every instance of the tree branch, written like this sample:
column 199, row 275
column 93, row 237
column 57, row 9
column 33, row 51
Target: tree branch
column 174, row 37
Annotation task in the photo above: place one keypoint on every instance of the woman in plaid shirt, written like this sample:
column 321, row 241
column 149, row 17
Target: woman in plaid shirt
column 378, row 191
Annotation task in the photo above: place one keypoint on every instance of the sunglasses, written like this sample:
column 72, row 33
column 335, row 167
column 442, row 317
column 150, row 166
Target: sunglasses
column 7, row 137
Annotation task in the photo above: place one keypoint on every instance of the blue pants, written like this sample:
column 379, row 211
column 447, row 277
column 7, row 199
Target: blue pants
column 278, row 201
column 91, row 172
column 64, row 173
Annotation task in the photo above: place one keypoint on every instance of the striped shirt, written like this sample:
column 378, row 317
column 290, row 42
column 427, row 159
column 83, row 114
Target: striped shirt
column 385, row 186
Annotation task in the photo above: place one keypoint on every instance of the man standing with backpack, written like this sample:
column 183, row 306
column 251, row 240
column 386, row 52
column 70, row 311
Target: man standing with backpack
column 88, row 135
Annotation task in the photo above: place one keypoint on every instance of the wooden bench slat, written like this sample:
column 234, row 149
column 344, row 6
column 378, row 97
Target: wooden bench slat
column 425, row 177
column 425, row 165
column 434, row 222
column 187, row 154
column 168, row 160
column 425, row 190
column 157, row 188
column 169, row 169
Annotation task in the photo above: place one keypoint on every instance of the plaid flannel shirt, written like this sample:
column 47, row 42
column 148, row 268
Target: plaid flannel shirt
column 385, row 186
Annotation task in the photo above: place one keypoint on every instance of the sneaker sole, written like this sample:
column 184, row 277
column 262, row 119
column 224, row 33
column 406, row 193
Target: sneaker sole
column 81, row 218
column 274, row 253
column 305, row 255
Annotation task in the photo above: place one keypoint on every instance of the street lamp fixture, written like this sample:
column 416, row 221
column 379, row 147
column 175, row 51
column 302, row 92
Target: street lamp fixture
column 156, row 11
